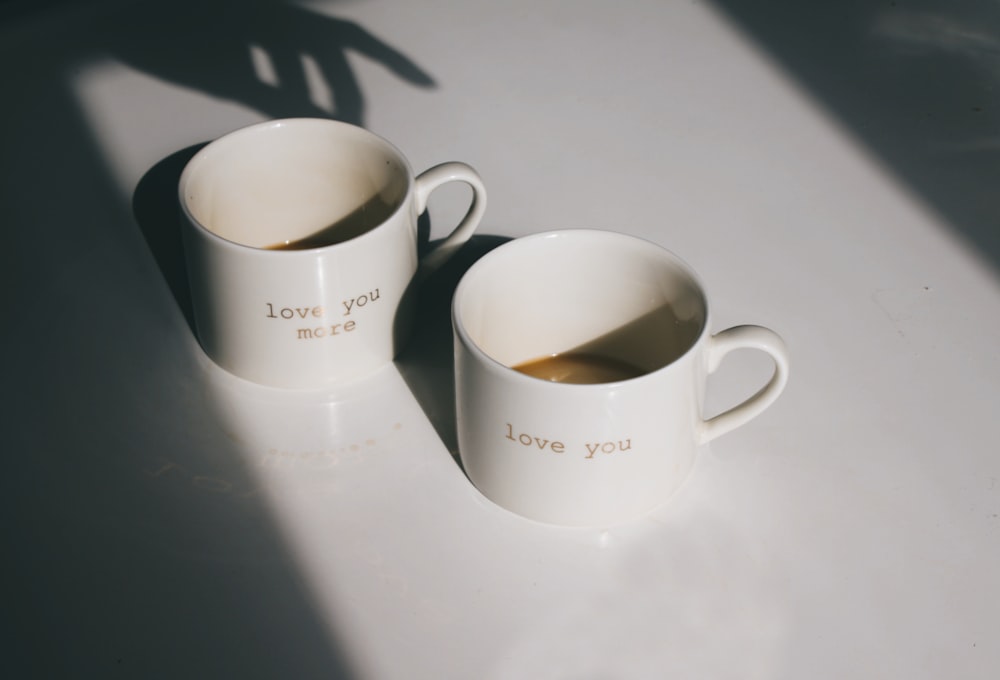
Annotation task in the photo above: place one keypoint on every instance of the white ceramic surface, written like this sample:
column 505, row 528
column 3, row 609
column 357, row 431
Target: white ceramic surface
column 323, row 314
column 590, row 454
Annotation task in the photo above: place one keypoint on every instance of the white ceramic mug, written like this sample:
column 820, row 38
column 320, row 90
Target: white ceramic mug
column 589, row 454
column 301, row 241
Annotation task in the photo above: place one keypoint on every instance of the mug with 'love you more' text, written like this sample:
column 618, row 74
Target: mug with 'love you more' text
column 301, row 244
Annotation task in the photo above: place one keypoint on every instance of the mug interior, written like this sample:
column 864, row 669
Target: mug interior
column 593, row 292
column 294, row 184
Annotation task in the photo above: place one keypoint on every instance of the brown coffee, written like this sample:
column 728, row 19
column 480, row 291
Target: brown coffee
column 579, row 368
column 361, row 221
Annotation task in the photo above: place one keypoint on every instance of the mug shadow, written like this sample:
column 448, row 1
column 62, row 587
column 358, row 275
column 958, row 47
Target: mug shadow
column 426, row 359
column 157, row 210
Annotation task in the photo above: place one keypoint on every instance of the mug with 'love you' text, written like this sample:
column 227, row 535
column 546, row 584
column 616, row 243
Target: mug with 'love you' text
column 581, row 362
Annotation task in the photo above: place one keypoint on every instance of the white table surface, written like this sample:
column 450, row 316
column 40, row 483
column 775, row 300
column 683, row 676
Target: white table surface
column 830, row 173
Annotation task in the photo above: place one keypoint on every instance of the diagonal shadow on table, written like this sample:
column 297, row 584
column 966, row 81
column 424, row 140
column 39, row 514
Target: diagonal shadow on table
column 140, row 541
column 917, row 82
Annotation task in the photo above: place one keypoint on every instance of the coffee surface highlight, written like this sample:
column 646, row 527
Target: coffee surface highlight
column 579, row 368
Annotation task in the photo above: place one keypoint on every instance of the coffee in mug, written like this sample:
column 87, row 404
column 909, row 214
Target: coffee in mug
column 617, row 329
column 579, row 368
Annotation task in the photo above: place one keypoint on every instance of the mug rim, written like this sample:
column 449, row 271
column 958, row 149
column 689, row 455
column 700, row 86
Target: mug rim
column 257, row 128
column 525, row 241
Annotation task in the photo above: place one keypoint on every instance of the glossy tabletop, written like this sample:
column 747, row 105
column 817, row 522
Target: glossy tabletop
column 830, row 172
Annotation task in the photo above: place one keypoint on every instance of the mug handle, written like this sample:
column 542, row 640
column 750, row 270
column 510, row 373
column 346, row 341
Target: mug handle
column 429, row 180
column 746, row 337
